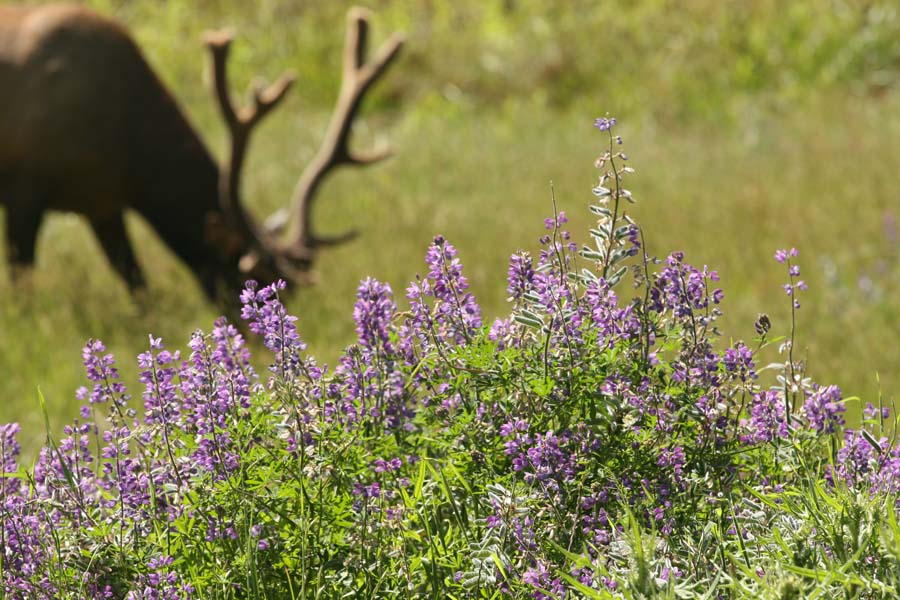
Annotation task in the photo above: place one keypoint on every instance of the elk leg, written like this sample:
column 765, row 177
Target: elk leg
column 114, row 240
column 23, row 219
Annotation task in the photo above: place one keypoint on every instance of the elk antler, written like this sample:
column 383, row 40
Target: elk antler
column 240, row 125
column 357, row 77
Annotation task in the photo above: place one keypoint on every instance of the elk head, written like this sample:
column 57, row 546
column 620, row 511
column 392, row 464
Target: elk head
column 262, row 251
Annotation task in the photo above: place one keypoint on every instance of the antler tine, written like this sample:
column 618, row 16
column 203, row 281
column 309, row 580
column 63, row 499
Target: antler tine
column 219, row 44
column 267, row 98
column 357, row 77
column 240, row 125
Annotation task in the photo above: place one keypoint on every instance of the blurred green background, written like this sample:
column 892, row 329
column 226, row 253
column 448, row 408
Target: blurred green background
column 752, row 126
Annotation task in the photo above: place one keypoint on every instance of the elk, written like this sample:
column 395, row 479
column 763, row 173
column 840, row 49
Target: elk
column 87, row 127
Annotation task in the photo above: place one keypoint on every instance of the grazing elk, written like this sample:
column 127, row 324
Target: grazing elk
column 87, row 127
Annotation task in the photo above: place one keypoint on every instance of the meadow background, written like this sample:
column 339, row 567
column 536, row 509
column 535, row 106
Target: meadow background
column 752, row 126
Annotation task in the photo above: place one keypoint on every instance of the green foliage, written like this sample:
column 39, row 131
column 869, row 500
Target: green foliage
column 698, row 54
column 750, row 143
column 609, row 445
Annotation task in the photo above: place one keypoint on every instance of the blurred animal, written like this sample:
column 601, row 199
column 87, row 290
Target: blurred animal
column 87, row 127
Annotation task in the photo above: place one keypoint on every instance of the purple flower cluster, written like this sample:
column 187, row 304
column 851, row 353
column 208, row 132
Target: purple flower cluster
column 441, row 308
column 160, row 583
column 518, row 458
column 767, row 422
column 267, row 317
column 824, row 409
column 685, row 290
column 738, row 361
column 791, row 289
column 369, row 386
column 373, row 313
column 614, row 324
column 119, row 482
column 605, row 123
column 545, row 460
column 520, row 277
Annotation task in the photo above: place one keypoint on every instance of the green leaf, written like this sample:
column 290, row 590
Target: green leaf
column 526, row 317
column 872, row 441
column 599, row 232
column 542, row 386
column 420, row 479
column 616, row 277
column 622, row 232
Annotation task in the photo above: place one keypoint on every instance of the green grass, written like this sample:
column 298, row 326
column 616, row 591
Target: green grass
column 728, row 170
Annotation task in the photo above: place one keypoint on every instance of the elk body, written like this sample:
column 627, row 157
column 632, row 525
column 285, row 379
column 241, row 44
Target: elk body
column 87, row 127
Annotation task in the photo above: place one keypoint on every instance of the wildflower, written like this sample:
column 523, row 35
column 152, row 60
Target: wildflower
column 373, row 312
column 605, row 123
column 739, row 361
column 767, row 418
column 267, row 317
column 824, row 409
column 520, row 277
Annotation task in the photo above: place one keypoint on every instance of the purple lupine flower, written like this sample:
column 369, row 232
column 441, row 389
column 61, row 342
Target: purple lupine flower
column 605, row 123
column 873, row 413
column 373, row 312
column 100, row 367
column 504, row 332
column 673, row 459
column 368, row 382
column 266, row 316
column 684, row 290
column 547, row 461
column 613, row 323
column 216, row 386
column 738, row 360
column 161, row 582
column 124, row 474
column 161, row 403
column 72, row 461
column 9, row 452
column 858, row 460
column 25, row 551
column 387, row 466
column 539, row 577
column 553, row 295
column 456, row 308
column 455, row 316
column 824, row 409
column 785, row 256
column 767, row 418
column 520, row 276
column 559, row 220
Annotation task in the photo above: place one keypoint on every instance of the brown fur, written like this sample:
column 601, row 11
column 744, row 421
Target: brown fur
column 87, row 127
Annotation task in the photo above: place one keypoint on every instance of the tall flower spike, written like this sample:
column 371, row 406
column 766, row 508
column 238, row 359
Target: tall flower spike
column 266, row 316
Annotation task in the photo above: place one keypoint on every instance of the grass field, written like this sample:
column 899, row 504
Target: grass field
column 730, row 165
